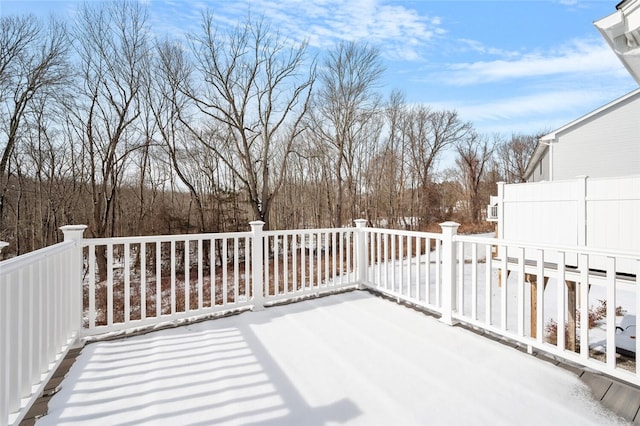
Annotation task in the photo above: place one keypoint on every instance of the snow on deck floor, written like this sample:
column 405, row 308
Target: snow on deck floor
column 350, row 359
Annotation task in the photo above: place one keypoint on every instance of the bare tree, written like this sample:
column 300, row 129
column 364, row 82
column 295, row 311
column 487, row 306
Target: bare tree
column 429, row 133
column 344, row 113
column 111, row 41
column 33, row 62
column 165, row 98
column 254, row 89
column 513, row 156
column 474, row 156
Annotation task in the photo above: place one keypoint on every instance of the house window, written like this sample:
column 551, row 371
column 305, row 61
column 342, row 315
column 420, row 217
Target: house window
column 540, row 167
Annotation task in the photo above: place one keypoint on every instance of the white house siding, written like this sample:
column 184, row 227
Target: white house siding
column 607, row 144
column 541, row 169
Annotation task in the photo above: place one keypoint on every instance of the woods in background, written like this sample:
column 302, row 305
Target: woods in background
column 103, row 124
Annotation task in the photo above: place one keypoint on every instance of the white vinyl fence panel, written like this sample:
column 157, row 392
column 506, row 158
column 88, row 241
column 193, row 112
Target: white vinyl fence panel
column 601, row 214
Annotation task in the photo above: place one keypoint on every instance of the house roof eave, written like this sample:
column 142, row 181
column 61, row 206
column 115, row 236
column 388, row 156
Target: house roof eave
column 622, row 32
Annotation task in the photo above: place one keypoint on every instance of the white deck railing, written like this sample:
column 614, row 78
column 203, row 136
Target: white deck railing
column 170, row 278
column 52, row 297
column 40, row 311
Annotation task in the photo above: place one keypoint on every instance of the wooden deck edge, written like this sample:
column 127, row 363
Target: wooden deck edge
column 41, row 405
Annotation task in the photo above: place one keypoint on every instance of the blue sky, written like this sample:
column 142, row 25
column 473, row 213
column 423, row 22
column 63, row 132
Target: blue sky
column 506, row 66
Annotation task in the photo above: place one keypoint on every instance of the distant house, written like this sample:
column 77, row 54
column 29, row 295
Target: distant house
column 583, row 179
column 603, row 143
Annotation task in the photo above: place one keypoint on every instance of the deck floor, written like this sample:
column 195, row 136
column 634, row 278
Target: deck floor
column 351, row 358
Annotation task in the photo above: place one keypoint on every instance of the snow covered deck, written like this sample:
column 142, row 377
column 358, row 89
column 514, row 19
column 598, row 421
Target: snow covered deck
column 351, row 358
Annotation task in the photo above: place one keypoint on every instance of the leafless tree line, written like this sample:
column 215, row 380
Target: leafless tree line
column 104, row 124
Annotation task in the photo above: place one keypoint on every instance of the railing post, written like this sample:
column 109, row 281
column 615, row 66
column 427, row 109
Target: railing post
column 257, row 264
column 361, row 252
column 449, row 297
column 75, row 233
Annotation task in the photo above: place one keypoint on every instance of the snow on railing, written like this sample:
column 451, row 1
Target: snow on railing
column 39, row 320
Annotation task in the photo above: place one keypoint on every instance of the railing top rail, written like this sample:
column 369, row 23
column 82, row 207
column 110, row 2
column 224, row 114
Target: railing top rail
column 10, row 265
column 432, row 235
column 164, row 238
column 538, row 246
column 309, row 231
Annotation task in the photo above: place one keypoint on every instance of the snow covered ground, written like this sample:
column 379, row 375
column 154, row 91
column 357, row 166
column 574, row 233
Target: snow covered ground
column 350, row 359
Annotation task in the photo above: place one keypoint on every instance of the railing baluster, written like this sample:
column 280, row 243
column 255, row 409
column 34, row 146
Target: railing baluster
column 38, row 321
column 5, row 327
column 22, row 340
column 12, row 350
column 158, row 279
column 460, row 281
column 520, row 293
column 303, row 262
column 173, row 277
column 48, row 308
column 276, row 266
column 540, row 308
column 318, row 259
column 225, row 271
column 409, row 267
column 109, row 284
column 488, row 280
column 503, row 291
column 394, row 258
column 427, row 277
column 387, row 261
column 326, row 255
column 285, row 263
column 247, row 270
column 583, row 265
column 418, row 268
column 236, row 270
column 438, row 268
column 402, row 262
column 334, row 256
column 30, row 323
column 313, row 243
column 127, row 283
column 611, row 312
column 212, row 272
column 187, row 277
column 474, row 281
column 294, row 262
column 562, row 303
column 200, row 274
column 143, row 280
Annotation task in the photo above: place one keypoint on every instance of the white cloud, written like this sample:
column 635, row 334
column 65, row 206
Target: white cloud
column 530, row 113
column 579, row 56
column 536, row 105
column 399, row 31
